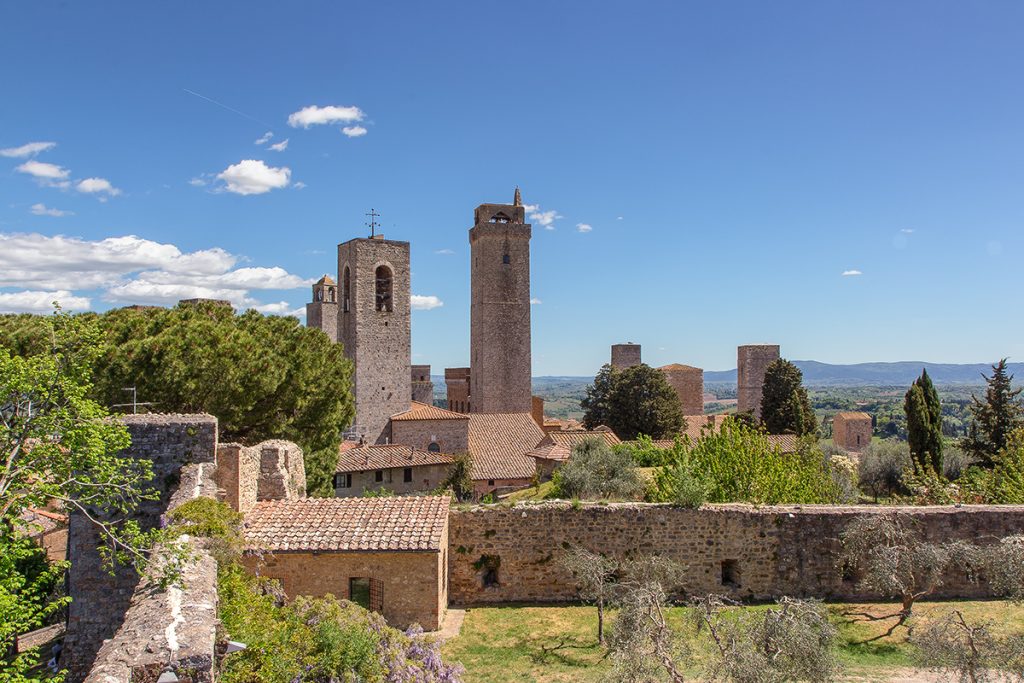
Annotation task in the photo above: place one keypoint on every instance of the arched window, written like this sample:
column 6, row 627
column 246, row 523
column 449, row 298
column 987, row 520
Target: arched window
column 346, row 290
column 330, row 295
column 384, row 289
column 434, row 447
column 500, row 217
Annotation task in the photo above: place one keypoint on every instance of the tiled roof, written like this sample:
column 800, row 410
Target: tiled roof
column 337, row 524
column 422, row 411
column 383, row 457
column 551, row 451
column 677, row 366
column 570, row 439
column 853, row 415
column 326, row 280
column 498, row 443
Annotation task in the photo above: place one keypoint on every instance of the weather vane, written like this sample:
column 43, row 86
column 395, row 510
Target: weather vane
column 373, row 224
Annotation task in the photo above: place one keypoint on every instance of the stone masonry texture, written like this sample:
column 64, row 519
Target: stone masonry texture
column 778, row 551
column 457, row 383
column 181, row 449
column 688, row 383
column 422, row 385
column 625, row 355
column 378, row 342
column 851, row 431
column 500, row 380
column 751, row 362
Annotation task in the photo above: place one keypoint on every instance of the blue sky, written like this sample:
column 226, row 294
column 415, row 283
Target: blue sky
column 732, row 160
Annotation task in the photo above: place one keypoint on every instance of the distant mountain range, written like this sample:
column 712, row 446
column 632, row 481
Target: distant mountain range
column 900, row 373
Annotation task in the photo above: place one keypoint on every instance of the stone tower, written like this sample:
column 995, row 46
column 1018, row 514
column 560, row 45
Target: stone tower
column 751, row 362
column 422, row 385
column 688, row 382
column 373, row 324
column 500, row 311
column 625, row 355
column 322, row 313
column 457, row 382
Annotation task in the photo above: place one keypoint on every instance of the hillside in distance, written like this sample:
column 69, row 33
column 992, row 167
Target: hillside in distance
column 899, row 373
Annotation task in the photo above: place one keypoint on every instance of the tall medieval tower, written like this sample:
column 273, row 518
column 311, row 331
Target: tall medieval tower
column 373, row 324
column 500, row 372
column 322, row 312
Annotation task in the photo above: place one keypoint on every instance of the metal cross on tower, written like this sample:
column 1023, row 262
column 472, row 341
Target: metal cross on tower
column 373, row 224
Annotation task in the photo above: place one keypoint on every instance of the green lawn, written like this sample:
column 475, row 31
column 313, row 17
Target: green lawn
column 508, row 643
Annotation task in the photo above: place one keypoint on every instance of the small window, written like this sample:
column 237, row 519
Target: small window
column 858, row 439
column 343, row 481
column 346, row 290
column 385, row 286
column 434, row 447
column 506, row 259
column 490, row 482
column 731, row 573
column 407, row 475
column 378, row 476
column 359, row 591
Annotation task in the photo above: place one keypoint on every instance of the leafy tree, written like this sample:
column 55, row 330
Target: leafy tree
column 737, row 463
column 595, row 579
column 460, row 478
column 994, row 418
column 924, row 424
column 594, row 470
column 968, row 651
column 881, row 467
column 785, row 406
column 263, row 377
column 595, row 404
column 58, row 445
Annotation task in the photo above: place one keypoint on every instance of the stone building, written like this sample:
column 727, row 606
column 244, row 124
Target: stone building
column 456, row 381
column 399, row 469
column 422, row 385
column 500, row 380
column 751, row 362
column 388, row 554
column 688, row 382
column 431, row 428
column 851, row 430
column 322, row 312
column 498, row 443
column 625, row 355
column 374, row 326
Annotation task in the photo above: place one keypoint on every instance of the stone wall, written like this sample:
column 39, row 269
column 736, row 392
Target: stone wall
column 772, row 551
column 181, row 449
column 410, row 580
column 100, row 599
column 422, row 385
column 851, row 431
column 625, row 355
column 424, row 478
column 282, row 471
column 751, row 362
column 456, row 382
column 688, row 383
column 238, row 473
column 451, row 435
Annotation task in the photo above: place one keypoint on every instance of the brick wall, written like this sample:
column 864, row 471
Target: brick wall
column 238, row 472
column 282, row 471
column 778, row 551
column 181, row 449
column 751, row 362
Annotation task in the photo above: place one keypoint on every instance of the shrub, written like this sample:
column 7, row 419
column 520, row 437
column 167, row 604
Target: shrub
column 595, row 470
column 881, row 468
column 213, row 520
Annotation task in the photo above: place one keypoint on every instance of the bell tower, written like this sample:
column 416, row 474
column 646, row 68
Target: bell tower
column 322, row 312
column 373, row 325
column 500, row 376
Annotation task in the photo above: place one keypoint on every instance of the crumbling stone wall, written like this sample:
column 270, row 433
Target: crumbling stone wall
column 282, row 471
column 740, row 550
column 238, row 475
column 181, row 449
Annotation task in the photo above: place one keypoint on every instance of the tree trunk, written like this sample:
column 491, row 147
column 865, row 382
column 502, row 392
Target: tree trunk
column 600, row 622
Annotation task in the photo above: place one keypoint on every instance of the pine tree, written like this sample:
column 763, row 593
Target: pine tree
column 785, row 406
column 924, row 424
column 595, row 403
column 995, row 418
column 634, row 401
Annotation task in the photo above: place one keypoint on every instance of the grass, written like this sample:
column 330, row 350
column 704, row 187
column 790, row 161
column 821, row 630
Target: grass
column 515, row 643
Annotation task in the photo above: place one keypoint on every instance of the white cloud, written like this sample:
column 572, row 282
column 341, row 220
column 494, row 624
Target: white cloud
column 97, row 186
column 535, row 302
column 264, row 138
column 314, row 115
column 584, row 227
column 298, row 185
column 43, row 170
column 251, row 176
column 907, row 231
column 197, row 182
column 619, row 218
column 446, row 252
column 848, row 273
column 545, row 218
column 280, row 146
column 424, row 303
column 43, row 210
column 281, row 308
column 28, row 150
column 354, row 131
column 41, row 302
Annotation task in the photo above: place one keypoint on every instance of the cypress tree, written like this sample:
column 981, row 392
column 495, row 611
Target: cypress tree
column 785, row 406
column 924, row 424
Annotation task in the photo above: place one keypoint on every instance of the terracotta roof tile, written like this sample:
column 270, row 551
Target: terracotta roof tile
column 383, row 457
column 678, row 366
column 422, row 411
column 551, row 451
column 402, row 523
column 570, row 439
column 853, row 415
column 498, row 443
